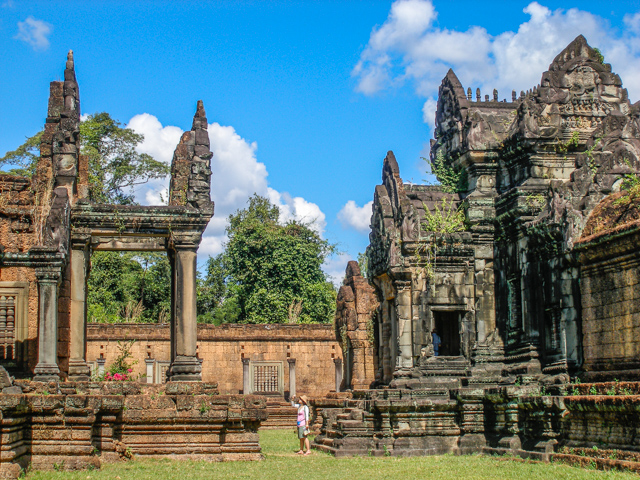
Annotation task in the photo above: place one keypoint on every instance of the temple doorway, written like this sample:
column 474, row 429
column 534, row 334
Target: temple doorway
column 448, row 327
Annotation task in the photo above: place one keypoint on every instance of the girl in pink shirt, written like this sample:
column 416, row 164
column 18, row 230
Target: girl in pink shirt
column 303, row 423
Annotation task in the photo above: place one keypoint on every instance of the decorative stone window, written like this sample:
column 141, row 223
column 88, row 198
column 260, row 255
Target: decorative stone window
column 14, row 297
column 266, row 378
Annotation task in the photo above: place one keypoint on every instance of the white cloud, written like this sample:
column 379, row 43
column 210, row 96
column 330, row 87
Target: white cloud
column 298, row 209
column 236, row 175
column 408, row 47
column 353, row 216
column 159, row 141
column 429, row 112
column 34, row 32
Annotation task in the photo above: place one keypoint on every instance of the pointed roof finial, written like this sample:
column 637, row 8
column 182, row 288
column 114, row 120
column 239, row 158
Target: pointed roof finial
column 200, row 109
column 200, row 118
column 70, row 60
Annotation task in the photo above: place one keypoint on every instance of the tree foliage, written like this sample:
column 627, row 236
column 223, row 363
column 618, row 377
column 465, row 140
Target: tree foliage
column 216, row 301
column 126, row 287
column 274, row 271
column 24, row 158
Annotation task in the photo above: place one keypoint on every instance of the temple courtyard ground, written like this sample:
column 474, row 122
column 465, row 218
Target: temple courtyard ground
column 281, row 463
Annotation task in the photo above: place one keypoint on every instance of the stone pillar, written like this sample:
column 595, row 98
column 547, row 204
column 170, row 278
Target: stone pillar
column 338, row 363
column 47, row 368
column 405, row 335
column 292, row 377
column 246, row 379
column 149, row 362
column 185, row 366
column 79, row 371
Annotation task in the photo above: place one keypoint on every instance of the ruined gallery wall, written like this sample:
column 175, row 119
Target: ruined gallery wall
column 222, row 348
column 610, row 288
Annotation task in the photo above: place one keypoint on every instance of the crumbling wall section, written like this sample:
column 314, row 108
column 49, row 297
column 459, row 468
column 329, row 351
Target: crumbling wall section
column 357, row 306
column 222, row 349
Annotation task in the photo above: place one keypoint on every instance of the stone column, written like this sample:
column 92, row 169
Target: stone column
column 246, row 379
column 405, row 336
column 184, row 329
column 338, row 363
column 149, row 362
column 47, row 368
column 78, row 369
column 292, row 377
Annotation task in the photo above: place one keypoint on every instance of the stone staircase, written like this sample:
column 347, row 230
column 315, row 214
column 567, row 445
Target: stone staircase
column 281, row 414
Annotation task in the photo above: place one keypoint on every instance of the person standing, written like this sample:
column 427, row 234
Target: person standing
column 303, row 423
column 436, row 342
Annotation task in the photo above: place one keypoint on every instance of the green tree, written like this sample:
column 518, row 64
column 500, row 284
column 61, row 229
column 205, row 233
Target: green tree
column 363, row 263
column 115, row 166
column 24, row 158
column 216, row 302
column 275, row 270
column 129, row 287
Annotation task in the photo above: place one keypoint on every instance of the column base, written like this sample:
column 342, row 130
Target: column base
column 46, row 372
column 185, row 369
column 79, row 371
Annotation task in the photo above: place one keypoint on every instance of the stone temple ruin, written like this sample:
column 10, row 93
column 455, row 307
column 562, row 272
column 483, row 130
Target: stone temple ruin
column 524, row 261
column 535, row 283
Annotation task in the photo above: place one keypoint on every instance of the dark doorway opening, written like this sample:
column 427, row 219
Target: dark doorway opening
column 448, row 327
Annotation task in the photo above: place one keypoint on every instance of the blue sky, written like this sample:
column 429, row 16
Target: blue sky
column 304, row 98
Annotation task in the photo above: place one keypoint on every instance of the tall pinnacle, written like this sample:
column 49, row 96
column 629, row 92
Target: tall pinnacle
column 70, row 60
column 200, row 118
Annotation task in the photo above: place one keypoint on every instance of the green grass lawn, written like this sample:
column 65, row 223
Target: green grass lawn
column 281, row 463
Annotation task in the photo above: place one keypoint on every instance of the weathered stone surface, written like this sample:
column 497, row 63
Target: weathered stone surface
column 5, row 378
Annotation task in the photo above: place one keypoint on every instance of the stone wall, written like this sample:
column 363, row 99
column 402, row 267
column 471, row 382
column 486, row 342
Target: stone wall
column 525, row 421
column 79, row 425
column 222, row 349
column 610, row 287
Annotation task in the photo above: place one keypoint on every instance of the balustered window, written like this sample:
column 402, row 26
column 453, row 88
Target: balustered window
column 266, row 378
column 13, row 322
column 8, row 327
